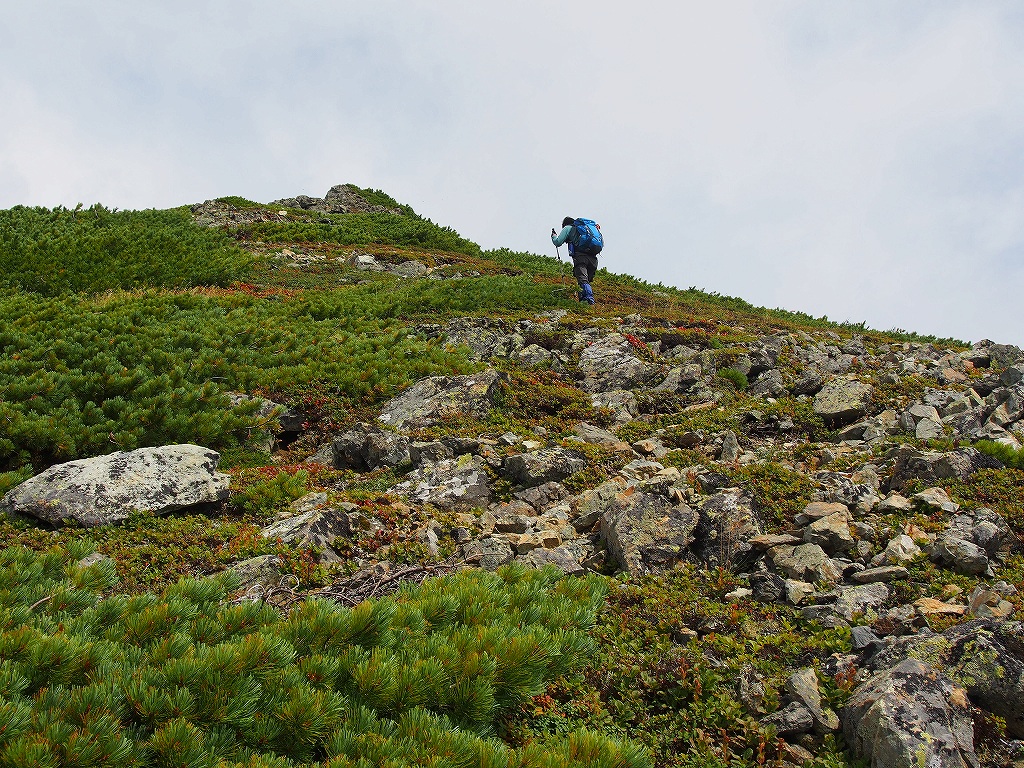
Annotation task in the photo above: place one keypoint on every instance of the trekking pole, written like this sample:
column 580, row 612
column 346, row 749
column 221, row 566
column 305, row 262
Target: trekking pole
column 560, row 267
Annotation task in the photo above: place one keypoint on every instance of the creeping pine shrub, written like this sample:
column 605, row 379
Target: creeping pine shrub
column 265, row 497
column 737, row 378
column 1009, row 456
column 186, row 678
column 95, row 249
column 364, row 229
column 85, row 376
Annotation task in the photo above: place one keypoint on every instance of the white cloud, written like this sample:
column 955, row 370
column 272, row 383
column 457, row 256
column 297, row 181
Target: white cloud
column 856, row 159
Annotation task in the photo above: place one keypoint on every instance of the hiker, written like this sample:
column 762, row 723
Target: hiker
column 585, row 243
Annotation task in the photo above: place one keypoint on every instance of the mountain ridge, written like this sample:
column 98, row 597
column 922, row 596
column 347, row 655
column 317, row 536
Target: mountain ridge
column 799, row 522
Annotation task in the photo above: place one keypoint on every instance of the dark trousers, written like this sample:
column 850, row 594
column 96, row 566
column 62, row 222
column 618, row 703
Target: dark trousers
column 583, row 268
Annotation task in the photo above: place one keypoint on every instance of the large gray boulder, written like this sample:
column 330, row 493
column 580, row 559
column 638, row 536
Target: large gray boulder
column 843, row 401
column 983, row 656
column 910, row 716
column 459, row 484
column 367, row 448
column 543, row 466
column 431, row 401
column 646, row 533
column 612, row 363
column 108, row 489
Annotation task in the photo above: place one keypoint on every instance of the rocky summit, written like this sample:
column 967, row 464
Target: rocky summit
column 809, row 532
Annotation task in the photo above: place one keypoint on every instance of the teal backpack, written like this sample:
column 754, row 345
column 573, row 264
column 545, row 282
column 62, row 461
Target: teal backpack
column 590, row 241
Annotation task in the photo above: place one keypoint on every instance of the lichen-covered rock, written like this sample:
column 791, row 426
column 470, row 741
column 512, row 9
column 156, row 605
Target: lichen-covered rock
column 807, row 562
column 430, row 401
column 843, row 401
column 983, row 656
column 108, row 489
column 543, row 466
column 367, row 448
column 451, row 484
column 646, row 533
column 612, row 363
column 910, row 716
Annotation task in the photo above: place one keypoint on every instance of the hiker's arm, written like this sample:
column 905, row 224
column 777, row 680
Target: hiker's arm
column 562, row 236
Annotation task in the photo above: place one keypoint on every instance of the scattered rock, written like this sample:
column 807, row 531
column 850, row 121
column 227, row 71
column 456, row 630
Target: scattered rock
column 108, row 489
column 910, row 716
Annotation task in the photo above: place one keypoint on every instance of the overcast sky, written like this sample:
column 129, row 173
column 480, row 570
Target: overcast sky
column 862, row 160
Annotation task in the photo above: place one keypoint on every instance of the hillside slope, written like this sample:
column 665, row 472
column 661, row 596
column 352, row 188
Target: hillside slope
column 785, row 540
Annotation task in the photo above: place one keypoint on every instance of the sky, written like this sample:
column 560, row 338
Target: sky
column 862, row 160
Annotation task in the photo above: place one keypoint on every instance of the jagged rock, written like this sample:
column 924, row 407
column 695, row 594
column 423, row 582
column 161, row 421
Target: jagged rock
column 985, row 657
column 863, row 639
column 767, row 587
column 929, row 606
column 910, row 716
column 589, row 506
column 910, row 465
column 883, row 574
column 802, row 685
column 838, row 487
column 863, row 599
column 842, row 401
column 962, row 556
column 900, row 549
column 320, row 527
column 895, row 503
column 792, row 719
column 486, row 338
column 730, row 447
column 431, row 401
column 797, row 592
column 612, row 363
column 806, row 562
column 936, row 499
column 542, row 496
column 816, row 510
column 726, row 526
column 543, row 466
column 490, row 552
column 450, row 484
column 429, row 453
column 261, row 571
column 568, row 557
column 366, row 448
column 408, row 269
column 681, row 378
column 831, row 533
column 809, row 383
column 646, row 533
column 985, row 528
column 989, row 604
column 770, row 383
column 108, row 489
column 621, row 402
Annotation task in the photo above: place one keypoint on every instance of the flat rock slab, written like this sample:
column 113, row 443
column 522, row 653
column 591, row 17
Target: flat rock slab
column 436, row 399
column 843, row 401
column 108, row 489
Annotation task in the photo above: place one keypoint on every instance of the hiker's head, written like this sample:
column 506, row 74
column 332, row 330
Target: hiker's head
column 567, row 221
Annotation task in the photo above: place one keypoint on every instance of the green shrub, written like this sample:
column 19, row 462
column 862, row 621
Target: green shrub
column 364, row 229
column 188, row 679
column 1010, row 457
column 737, row 378
column 81, row 377
column 96, row 249
column 266, row 497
